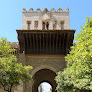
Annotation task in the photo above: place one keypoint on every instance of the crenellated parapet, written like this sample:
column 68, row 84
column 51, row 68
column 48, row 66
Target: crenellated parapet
column 45, row 9
column 45, row 19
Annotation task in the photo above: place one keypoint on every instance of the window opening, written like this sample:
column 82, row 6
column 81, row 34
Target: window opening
column 28, row 25
column 62, row 25
column 36, row 24
column 47, row 26
column 43, row 27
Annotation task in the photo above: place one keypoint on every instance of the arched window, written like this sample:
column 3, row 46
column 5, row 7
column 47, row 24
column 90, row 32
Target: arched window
column 45, row 25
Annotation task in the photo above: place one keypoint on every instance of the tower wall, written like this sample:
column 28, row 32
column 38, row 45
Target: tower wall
column 44, row 41
column 58, row 16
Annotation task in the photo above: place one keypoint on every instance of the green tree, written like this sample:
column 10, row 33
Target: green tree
column 78, row 74
column 11, row 72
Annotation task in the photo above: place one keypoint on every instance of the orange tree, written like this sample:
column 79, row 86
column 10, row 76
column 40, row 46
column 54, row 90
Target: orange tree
column 11, row 72
column 78, row 74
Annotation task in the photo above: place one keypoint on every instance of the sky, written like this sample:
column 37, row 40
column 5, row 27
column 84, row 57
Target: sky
column 45, row 86
column 11, row 13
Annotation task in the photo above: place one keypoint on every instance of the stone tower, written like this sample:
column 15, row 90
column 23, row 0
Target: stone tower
column 44, row 40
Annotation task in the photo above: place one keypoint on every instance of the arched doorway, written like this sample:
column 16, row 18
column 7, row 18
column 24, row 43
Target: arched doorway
column 44, row 75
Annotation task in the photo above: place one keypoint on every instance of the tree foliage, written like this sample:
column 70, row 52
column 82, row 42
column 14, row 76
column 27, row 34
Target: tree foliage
column 78, row 74
column 11, row 72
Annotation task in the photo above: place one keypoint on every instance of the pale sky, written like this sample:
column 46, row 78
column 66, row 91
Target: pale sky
column 46, row 87
column 11, row 13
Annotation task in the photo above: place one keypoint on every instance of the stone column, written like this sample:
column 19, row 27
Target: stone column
column 50, row 25
column 40, row 25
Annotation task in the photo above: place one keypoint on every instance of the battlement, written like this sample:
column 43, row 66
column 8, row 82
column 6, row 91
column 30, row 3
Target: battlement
column 45, row 10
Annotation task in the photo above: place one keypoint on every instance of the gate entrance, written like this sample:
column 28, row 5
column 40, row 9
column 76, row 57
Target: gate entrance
column 44, row 75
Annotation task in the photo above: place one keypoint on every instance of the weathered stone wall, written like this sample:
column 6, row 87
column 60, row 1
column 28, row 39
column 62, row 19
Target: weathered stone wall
column 53, row 63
